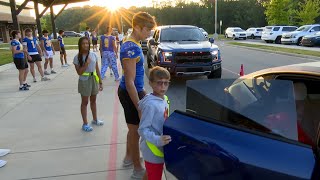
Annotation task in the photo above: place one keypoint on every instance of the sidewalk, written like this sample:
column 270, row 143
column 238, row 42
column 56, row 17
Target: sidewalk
column 42, row 127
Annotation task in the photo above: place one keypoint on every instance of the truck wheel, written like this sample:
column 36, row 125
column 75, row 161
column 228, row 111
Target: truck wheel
column 252, row 36
column 278, row 40
column 226, row 35
column 215, row 74
column 299, row 41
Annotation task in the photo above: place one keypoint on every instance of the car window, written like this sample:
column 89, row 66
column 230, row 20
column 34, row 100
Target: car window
column 276, row 28
column 317, row 28
column 304, row 28
column 260, row 30
column 181, row 34
column 288, row 29
column 268, row 28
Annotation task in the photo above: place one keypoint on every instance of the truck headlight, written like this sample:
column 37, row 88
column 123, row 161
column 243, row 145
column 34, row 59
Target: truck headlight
column 167, row 54
column 215, row 52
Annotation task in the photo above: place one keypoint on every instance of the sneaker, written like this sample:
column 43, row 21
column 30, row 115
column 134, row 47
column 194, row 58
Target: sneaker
column 23, row 88
column 2, row 163
column 65, row 65
column 46, row 73
column 4, row 152
column 53, row 72
column 45, row 79
column 119, row 79
column 98, row 122
column 26, row 85
column 128, row 163
column 34, row 80
column 138, row 174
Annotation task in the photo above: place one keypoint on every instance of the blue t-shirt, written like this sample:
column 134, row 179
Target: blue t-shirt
column 86, row 34
column 19, row 47
column 94, row 38
column 107, row 43
column 60, row 39
column 31, row 45
column 131, row 51
column 47, row 43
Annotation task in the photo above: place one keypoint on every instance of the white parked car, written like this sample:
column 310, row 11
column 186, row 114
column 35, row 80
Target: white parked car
column 274, row 33
column 204, row 32
column 296, row 36
column 254, row 33
column 235, row 33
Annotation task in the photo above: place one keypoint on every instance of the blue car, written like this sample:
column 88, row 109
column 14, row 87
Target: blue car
column 262, row 126
column 184, row 51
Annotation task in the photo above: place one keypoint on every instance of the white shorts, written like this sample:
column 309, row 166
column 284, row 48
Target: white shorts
column 50, row 55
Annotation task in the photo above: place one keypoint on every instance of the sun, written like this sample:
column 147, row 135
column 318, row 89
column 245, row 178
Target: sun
column 113, row 7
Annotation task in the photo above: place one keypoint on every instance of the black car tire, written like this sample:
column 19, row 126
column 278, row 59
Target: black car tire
column 215, row 74
column 244, row 38
column 252, row 36
column 234, row 37
column 299, row 41
column 226, row 36
column 278, row 40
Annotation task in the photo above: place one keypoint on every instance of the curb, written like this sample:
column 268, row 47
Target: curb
column 315, row 58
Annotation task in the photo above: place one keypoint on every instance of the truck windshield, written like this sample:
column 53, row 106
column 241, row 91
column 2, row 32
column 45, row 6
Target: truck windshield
column 181, row 34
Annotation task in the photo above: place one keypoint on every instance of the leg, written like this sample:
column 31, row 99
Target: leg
column 114, row 66
column 65, row 57
column 32, row 70
column 61, row 58
column 51, row 63
column 134, row 146
column 21, row 76
column 38, row 63
column 93, row 106
column 104, row 65
column 46, row 65
column 83, row 108
column 25, row 75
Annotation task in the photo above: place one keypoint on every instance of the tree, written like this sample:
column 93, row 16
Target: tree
column 82, row 26
column 308, row 11
column 278, row 12
column 46, row 22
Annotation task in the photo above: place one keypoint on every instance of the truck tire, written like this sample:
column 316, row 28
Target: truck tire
column 278, row 40
column 215, row 74
column 299, row 41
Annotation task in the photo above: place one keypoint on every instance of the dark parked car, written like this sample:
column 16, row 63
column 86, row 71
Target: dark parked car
column 184, row 51
column 144, row 44
column 264, row 125
column 72, row 34
column 311, row 40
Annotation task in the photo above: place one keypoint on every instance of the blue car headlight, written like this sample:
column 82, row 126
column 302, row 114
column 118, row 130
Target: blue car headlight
column 215, row 52
column 167, row 56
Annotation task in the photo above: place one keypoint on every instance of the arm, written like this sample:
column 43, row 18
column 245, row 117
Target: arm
column 42, row 47
column 15, row 51
column 100, row 48
column 129, row 68
column 53, row 49
column 81, row 70
column 25, row 49
column 98, row 73
column 39, row 49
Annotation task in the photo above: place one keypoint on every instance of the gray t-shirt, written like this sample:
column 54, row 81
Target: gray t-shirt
column 91, row 67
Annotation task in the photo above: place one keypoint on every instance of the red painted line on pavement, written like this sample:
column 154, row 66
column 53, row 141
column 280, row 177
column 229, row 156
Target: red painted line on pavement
column 114, row 138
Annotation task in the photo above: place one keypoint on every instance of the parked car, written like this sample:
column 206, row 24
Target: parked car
column 144, row 44
column 204, row 32
column 235, row 33
column 254, row 33
column 184, row 51
column 248, row 128
column 296, row 36
column 274, row 33
column 311, row 40
column 51, row 35
column 72, row 34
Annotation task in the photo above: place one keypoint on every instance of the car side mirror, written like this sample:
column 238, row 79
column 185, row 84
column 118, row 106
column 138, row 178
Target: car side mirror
column 211, row 40
column 312, row 30
column 153, row 42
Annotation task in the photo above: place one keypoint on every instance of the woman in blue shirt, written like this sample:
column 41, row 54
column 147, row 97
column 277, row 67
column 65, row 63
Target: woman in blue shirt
column 19, row 60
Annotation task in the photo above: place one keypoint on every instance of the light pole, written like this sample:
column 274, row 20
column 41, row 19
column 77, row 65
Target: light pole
column 215, row 18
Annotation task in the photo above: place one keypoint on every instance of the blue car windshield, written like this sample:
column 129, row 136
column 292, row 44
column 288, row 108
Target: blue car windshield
column 181, row 34
column 263, row 105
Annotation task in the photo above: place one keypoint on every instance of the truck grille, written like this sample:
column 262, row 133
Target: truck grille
column 242, row 34
column 193, row 57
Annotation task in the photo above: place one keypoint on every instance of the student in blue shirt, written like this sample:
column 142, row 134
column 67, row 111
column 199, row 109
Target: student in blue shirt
column 19, row 60
column 87, row 33
column 94, row 41
column 63, row 53
column 33, row 53
column 48, row 50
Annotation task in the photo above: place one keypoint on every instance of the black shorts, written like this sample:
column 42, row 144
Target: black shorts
column 130, row 111
column 20, row 63
column 35, row 58
column 94, row 42
column 62, row 50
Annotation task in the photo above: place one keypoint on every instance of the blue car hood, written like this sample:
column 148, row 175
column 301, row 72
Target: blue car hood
column 182, row 46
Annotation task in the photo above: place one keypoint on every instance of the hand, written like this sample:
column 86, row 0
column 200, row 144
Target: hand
column 116, row 55
column 54, row 52
column 29, row 58
column 100, row 87
column 165, row 139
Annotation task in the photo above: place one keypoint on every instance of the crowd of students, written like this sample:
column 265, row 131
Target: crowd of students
column 144, row 112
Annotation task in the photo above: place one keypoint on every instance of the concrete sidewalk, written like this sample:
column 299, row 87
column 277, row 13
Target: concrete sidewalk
column 42, row 127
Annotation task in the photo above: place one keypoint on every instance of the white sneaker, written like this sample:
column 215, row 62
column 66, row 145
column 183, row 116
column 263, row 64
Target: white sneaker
column 45, row 79
column 138, row 174
column 2, row 163
column 4, row 152
column 65, row 65
column 46, row 73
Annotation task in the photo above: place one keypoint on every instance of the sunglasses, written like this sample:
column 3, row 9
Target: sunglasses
column 160, row 83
